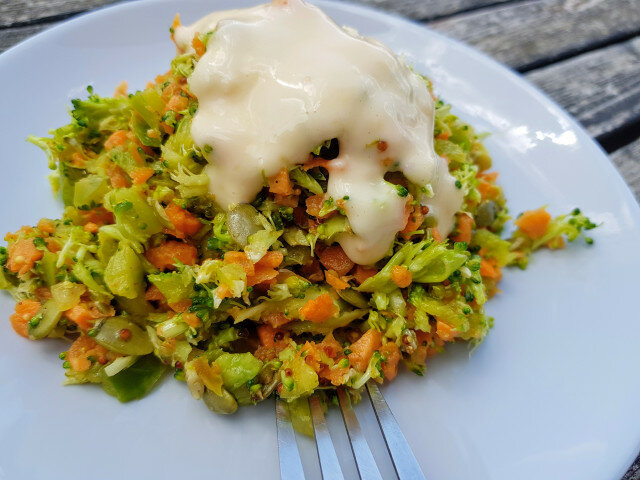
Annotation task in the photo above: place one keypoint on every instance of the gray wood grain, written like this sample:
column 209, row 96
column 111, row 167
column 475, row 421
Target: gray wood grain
column 600, row 88
column 531, row 33
column 11, row 36
column 24, row 12
column 627, row 159
column 428, row 9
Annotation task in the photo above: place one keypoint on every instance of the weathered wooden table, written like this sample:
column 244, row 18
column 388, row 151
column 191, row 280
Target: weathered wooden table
column 583, row 53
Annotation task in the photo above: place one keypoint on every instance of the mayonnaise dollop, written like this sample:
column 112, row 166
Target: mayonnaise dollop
column 279, row 79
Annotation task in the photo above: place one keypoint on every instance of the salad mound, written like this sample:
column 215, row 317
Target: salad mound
column 145, row 272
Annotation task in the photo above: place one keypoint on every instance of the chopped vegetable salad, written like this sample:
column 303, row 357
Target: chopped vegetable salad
column 145, row 273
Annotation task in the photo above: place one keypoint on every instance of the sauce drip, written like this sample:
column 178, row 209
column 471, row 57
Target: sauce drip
column 279, row 79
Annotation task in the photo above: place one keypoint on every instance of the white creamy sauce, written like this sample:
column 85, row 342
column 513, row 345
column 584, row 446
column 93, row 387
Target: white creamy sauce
column 279, row 79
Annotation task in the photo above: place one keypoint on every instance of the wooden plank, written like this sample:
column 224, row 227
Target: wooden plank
column 627, row 159
column 533, row 33
column 600, row 88
column 429, row 9
column 24, row 12
column 11, row 36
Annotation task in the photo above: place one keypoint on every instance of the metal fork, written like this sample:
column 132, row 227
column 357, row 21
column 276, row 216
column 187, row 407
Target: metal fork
column 404, row 461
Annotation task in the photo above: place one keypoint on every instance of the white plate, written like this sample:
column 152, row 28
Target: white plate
column 551, row 394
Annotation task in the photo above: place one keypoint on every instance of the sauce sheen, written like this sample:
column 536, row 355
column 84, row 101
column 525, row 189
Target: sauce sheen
column 279, row 79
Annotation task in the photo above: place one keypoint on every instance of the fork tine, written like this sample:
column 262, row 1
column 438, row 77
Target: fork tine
column 329, row 464
column 290, row 463
column 404, row 461
column 367, row 467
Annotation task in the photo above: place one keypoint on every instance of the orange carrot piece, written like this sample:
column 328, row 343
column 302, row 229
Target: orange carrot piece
column 363, row 348
column 181, row 305
column 534, row 223
column 392, row 354
column 489, row 269
column 121, row 90
column 275, row 319
column 175, row 24
column 153, row 294
column 198, row 45
column 445, row 331
column 271, row 259
column 362, row 273
column 117, row 176
column 401, row 276
column 80, row 351
column 23, row 255
column 166, row 255
column 314, row 204
column 141, row 175
column 183, row 220
column 177, row 103
column 319, row 309
column 241, row 259
column 334, row 280
column 100, row 216
column 267, row 335
column 334, row 258
column 90, row 227
column 84, row 315
column 116, row 139
column 436, row 235
column 280, row 183
column 191, row 319
column 47, row 226
column 465, row 224
column 317, row 162
column 25, row 311
column 414, row 221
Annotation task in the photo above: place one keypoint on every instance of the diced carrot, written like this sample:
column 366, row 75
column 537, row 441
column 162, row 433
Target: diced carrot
column 392, row 354
column 116, row 139
column 311, row 355
column 90, row 227
column 334, row 280
column 489, row 269
column 99, row 215
column 117, row 177
column 166, row 255
column 141, row 175
column 488, row 176
column 223, row 291
column 362, row 273
column 153, row 294
column 78, row 160
column 275, row 319
column 280, row 183
column 334, row 258
column 198, row 45
column 319, row 309
column 271, row 259
column 401, row 276
column 175, row 24
column 23, row 255
column 85, row 315
column 534, row 223
column 181, row 305
column 25, row 311
column 314, row 204
column 414, row 221
column 191, row 319
column 363, row 348
column 445, row 331
column 241, row 259
column 42, row 293
column 83, row 348
column 47, row 226
column 487, row 190
column 261, row 275
column 266, row 334
column 177, row 103
column 443, row 135
column 52, row 245
column 121, row 90
column 331, row 347
column 287, row 200
column 436, row 235
column 465, row 224
column 183, row 220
